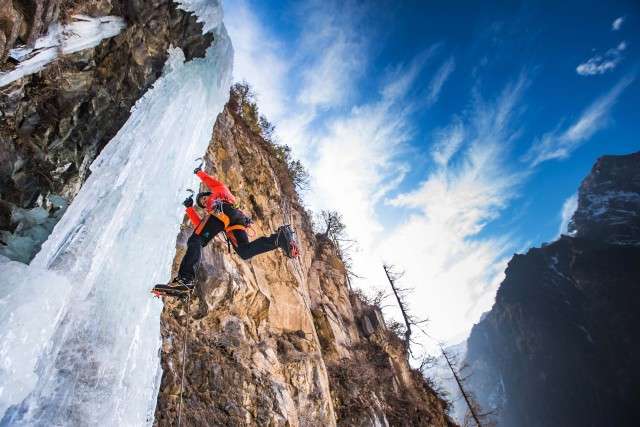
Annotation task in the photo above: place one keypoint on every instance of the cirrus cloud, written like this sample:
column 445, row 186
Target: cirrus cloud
column 600, row 64
column 560, row 144
column 617, row 23
column 452, row 268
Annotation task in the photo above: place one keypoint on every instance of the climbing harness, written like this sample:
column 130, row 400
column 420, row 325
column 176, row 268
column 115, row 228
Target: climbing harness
column 184, row 357
column 228, row 241
column 218, row 212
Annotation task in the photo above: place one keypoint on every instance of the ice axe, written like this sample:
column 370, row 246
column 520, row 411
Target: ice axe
column 188, row 202
column 199, row 167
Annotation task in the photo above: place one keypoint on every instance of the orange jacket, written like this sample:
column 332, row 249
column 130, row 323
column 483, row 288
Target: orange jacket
column 193, row 217
column 219, row 191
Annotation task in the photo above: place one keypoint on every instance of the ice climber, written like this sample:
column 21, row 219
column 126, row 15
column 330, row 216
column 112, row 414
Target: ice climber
column 221, row 214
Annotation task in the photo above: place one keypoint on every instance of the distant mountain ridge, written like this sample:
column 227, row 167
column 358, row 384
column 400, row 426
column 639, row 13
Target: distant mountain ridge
column 609, row 202
column 560, row 346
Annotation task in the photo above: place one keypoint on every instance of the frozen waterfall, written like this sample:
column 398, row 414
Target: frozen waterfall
column 79, row 330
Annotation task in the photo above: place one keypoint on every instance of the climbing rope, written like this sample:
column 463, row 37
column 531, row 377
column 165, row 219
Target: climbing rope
column 184, row 358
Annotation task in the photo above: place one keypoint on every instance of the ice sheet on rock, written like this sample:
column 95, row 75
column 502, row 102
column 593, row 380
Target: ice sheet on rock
column 27, row 324
column 32, row 227
column 90, row 356
column 208, row 12
column 83, row 33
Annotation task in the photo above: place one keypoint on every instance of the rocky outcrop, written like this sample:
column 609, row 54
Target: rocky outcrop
column 280, row 342
column 559, row 346
column 609, row 202
column 55, row 122
column 25, row 21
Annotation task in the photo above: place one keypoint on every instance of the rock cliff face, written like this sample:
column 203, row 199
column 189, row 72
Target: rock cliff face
column 280, row 342
column 559, row 347
column 54, row 123
column 24, row 20
column 609, row 202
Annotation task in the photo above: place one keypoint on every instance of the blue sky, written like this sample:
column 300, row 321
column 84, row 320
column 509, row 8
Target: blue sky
column 448, row 135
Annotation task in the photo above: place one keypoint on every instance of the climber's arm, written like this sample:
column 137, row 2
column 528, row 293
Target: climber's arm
column 208, row 180
column 193, row 216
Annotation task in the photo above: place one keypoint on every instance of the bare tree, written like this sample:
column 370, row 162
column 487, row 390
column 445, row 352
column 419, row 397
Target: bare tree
column 481, row 419
column 401, row 295
column 333, row 225
column 375, row 298
column 330, row 226
column 459, row 380
column 427, row 363
column 475, row 414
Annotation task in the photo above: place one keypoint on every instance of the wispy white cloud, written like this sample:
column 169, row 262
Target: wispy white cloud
column 617, row 23
column 298, row 79
column 568, row 209
column 600, row 64
column 560, row 144
column 333, row 52
column 400, row 77
column 447, row 142
column 355, row 152
column 356, row 160
column 454, row 271
column 438, row 81
column 259, row 58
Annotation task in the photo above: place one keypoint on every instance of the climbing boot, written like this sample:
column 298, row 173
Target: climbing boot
column 285, row 240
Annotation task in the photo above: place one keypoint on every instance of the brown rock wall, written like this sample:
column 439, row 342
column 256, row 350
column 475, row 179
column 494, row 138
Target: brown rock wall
column 275, row 341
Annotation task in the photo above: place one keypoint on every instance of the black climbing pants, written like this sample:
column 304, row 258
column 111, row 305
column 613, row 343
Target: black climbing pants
column 244, row 247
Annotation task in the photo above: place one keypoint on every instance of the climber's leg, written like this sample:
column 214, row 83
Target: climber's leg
column 194, row 251
column 196, row 242
column 247, row 249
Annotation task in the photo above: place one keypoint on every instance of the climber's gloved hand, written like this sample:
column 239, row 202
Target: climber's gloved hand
column 188, row 202
column 198, row 169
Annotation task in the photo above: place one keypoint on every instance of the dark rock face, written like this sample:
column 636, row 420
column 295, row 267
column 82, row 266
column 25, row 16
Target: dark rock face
column 54, row 123
column 24, row 20
column 609, row 201
column 559, row 347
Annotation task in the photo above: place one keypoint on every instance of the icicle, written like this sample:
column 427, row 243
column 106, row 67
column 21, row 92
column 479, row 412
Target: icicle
column 83, row 33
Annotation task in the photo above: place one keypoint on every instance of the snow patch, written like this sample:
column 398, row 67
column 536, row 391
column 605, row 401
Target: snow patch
column 553, row 266
column 586, row 333
column 568, row 209
column 83, row 33
column 599, row 204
